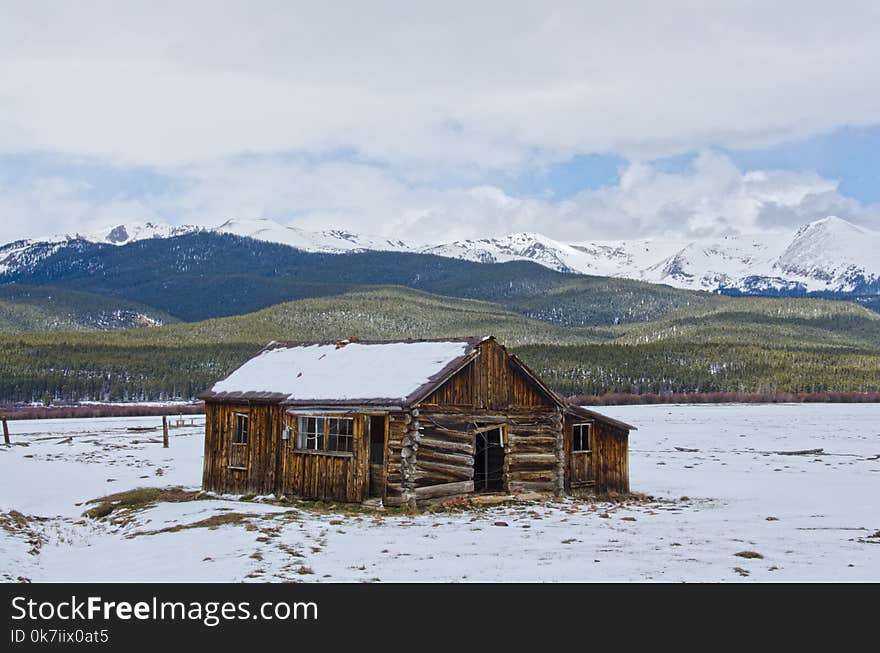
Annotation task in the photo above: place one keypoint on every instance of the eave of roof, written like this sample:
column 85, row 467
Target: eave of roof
column 580, row 411
column 239, row 397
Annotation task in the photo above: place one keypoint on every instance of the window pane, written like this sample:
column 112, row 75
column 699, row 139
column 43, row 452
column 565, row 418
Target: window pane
column 580, row 437
column 340, row 430
column 339, row 434
column 310, row 433
column 301, row 430
column 240, row 430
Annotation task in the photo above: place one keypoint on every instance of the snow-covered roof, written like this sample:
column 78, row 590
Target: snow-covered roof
column 392, row 373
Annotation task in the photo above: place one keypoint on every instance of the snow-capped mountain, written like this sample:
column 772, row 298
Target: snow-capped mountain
column 122, row 234
column 830, row 255
column 22, row 255
column 334, row 241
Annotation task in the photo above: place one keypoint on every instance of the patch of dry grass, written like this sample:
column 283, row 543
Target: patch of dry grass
column 19, row 525
column 138, row 499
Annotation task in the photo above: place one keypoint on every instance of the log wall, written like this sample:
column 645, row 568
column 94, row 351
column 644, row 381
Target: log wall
column 398, row 440
column 535, row 456
column 533, row 451
column 489, row 390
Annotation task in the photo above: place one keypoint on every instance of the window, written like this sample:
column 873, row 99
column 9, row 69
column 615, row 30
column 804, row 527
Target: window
column 240, row 431
column 310, row 434
column 340, row 434
column 580, row 438
column 326, row 434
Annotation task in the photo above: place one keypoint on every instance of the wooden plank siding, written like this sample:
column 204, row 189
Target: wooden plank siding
column 488, row 382
column 612, row 458
column 326, row 476
column 261, row 451
column 272, row 465
column 605, row 468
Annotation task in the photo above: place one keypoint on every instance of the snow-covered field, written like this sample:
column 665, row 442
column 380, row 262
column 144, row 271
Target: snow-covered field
column 811, row 517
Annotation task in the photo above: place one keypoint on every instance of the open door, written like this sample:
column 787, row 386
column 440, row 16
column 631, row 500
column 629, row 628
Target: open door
column 489, row 458
column 377, row 429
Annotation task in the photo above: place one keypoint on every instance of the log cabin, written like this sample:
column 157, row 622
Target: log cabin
column 411, row 422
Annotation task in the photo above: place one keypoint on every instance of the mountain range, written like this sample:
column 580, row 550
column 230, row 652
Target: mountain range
column 221, row 293
column 830, row 256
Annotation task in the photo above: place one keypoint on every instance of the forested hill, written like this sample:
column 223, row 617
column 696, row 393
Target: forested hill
column 721, row 344
column 27, row 309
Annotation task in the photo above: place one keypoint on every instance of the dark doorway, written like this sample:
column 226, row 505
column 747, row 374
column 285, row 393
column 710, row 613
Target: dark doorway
column 489, row 459
column 376, row 430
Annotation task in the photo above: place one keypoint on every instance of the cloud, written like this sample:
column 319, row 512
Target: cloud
column 419, row 105
column 429, row 86
column 708, row 197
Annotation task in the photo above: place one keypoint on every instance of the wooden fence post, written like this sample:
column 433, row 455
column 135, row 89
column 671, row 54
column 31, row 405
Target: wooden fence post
column 5, row 431
column 164, row 431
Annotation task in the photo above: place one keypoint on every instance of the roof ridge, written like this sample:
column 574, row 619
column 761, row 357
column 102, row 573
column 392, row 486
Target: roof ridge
column 288, row 344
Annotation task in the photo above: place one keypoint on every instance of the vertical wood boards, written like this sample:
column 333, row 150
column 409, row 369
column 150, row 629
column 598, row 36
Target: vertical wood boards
column 326, row 476
column 605, row 468
column 259, row 456
column 489, row 382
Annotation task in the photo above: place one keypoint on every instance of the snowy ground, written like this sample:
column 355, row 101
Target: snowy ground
column 810, row 517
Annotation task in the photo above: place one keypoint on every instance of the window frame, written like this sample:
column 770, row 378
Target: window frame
column 574, row 435
column 237, row 431
column 322, row 437
column 339, row 436
column 304, row 435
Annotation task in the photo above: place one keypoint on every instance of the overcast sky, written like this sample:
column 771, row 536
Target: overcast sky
column 438, row 120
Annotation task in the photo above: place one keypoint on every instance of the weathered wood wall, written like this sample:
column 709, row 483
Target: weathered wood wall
column 612, row 458
column 324, row 475
column 535, row 454
column 272, row 465
column 603, row 469
column 260, row 454
column 488, row 382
